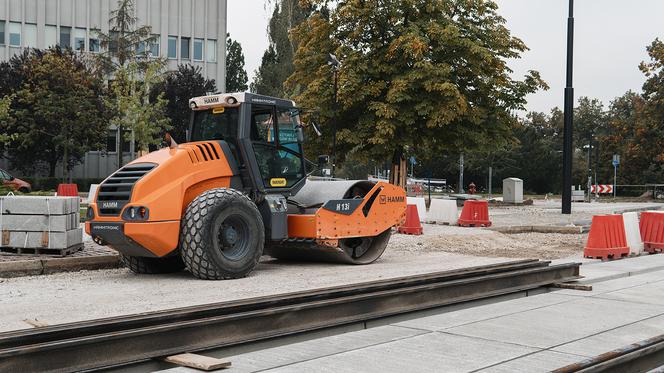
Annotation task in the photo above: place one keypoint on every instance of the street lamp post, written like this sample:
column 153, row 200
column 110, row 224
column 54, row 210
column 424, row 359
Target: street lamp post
column 334, row 62
column 569, row 117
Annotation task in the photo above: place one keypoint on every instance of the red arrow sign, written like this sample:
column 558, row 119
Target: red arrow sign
column 602, row 189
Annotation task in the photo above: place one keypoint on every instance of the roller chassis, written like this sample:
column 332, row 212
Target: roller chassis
column 212, row 207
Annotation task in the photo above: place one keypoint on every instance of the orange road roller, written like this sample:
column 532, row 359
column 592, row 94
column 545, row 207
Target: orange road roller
column 236, row 190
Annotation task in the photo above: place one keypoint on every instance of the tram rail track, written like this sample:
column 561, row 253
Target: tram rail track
column 118, row 341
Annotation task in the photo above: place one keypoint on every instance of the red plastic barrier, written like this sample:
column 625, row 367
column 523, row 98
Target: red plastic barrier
column 67, row 190
column 652, row 231
column 475, row 214
column 607, row 238
column 412, row 224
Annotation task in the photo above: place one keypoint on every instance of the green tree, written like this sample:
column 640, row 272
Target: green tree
column 125, row 43
column 236, row 75
column 178, row 87
column 653, row 94
column 5, row 104
column 135, row 110
column 423, row 74
column 277, row 62
column 58, row 113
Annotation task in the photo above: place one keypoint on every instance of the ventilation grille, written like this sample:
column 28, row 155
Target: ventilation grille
column 115, row 192
column 202, row 152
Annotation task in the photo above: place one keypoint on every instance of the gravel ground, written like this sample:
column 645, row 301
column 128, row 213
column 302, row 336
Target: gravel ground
column 486, row 243
column 77, row 296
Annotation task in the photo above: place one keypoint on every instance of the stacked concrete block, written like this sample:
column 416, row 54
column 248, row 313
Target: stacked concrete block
column 40, row 225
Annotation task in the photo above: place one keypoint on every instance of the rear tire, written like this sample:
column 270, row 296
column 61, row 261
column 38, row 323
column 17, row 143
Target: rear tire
column 222, row 235
column 142, row 265
column 24, row 190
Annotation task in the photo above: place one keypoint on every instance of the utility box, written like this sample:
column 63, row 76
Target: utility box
column 512, row 190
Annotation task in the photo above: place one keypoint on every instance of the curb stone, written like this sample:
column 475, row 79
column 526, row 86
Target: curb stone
column 55, row 265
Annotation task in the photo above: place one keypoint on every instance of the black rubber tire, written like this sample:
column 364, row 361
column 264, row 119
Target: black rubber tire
column 24, row 190
column 206, row 219
column 142, row 265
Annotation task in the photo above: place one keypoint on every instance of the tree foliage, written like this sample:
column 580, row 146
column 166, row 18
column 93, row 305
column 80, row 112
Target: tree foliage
column 236, row 75
column 134, row 108
column 277, row 62
column 178, row 87
column 423, row 74
column 57, row 112
column 126, row 41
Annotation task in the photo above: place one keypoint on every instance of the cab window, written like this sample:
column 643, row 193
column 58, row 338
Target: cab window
column 215, row 124
column 277, row 151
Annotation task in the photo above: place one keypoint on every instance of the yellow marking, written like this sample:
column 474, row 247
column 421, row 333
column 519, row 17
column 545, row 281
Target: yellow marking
column 218, row 110
column 278, row 182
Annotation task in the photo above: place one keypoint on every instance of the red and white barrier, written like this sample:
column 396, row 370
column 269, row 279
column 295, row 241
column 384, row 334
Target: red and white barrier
column 602, row 189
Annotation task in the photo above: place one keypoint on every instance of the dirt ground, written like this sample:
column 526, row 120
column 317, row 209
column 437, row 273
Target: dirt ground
column 485, row 243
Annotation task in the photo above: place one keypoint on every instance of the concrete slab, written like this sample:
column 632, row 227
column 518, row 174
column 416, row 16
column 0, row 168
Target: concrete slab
column 543, row 361
column 618, row 284
column 318, row 348
column 432, row 352
column 652, row 293
column 616, row 338
column 39, row 223
column 56, row 240
column 39, row 205
column 490, row 311
column 559, row 323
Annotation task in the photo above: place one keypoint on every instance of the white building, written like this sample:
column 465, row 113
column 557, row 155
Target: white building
column 187, row 31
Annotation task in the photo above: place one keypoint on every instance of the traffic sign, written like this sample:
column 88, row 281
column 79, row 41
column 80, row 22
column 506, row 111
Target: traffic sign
column 601, row 189
column 616, row 160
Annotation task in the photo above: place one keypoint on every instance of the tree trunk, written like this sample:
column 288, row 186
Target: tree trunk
column 398, row 169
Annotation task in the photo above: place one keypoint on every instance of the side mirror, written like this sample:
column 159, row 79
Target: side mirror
column 11, row 178
column 318, row 132
column 300, row 135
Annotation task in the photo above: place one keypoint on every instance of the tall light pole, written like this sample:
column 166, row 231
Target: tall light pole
column 334, row 62
column 569, row 117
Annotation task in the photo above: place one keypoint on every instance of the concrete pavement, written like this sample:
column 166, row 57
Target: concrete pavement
column 521, row 333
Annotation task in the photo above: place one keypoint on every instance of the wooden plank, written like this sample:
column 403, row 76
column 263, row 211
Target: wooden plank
column 198, row 362
column 582, row 287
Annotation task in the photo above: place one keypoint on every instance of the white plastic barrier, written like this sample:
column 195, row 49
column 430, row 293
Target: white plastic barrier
column 93, row 191
column 633, row 233
column 443, row 211
column 421, row 206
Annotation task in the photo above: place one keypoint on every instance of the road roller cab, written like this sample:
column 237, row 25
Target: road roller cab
column 238, row 188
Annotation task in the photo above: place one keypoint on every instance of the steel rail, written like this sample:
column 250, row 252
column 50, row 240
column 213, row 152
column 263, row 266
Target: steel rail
column 638, row 357
column 116, row 341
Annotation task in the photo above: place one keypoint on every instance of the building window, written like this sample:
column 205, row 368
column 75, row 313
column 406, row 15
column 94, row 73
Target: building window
column 50, row 36
column 172, row 47
column 94, row 41
column 2, row 32
column 154, row 46
column 198, row 49
column 30, row 35
column 14, row 34
column 65, row 37
column 140, row 48
column 184, row 48
column 79, row 39
column 112, row 141
column 211, row 51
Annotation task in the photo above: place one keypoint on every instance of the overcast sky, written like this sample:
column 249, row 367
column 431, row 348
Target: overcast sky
column 610, row 41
